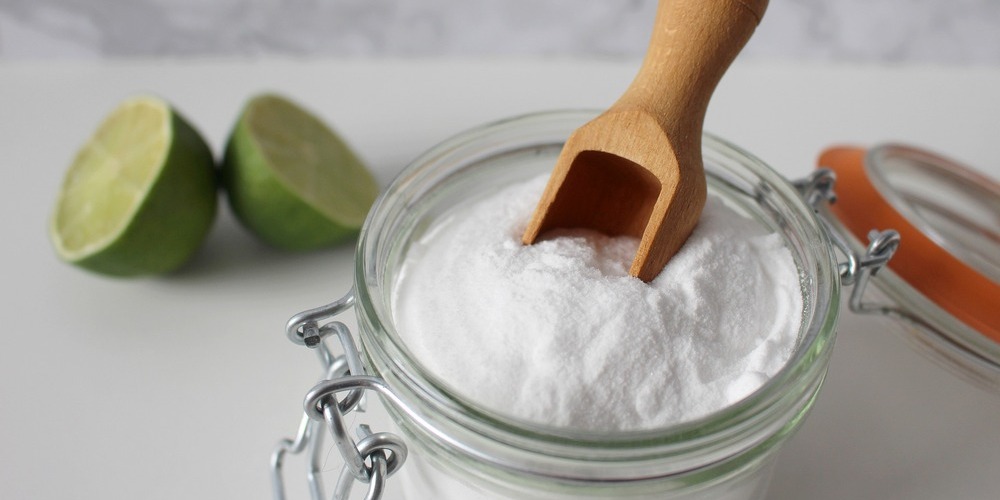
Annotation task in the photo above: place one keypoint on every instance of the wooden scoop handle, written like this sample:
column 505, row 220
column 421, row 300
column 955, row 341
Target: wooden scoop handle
column 636, row 169
column 692, row 45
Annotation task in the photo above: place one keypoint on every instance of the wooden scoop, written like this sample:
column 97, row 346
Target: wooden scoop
column 636, row 169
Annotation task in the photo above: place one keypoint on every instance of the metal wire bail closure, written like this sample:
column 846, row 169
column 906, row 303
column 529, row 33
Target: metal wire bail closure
column 817, row 189
column 370, row 459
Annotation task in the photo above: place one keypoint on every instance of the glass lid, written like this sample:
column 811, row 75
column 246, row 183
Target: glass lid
column 945, row 276
column 957, row 208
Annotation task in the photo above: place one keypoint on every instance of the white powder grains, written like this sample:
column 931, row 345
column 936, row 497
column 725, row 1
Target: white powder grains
column 559, row 334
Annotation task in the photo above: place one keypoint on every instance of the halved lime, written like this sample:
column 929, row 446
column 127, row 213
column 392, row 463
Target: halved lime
column 291, row 180
column 140, row 195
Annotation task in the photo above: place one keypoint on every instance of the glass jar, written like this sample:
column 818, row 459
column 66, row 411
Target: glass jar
column 947, row 213
column 460, row 450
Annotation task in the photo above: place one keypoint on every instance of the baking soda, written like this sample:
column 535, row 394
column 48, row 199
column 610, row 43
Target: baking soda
column 559, row 334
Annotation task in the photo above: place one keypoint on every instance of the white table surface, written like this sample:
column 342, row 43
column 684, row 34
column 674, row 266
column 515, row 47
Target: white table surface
column 178, row 387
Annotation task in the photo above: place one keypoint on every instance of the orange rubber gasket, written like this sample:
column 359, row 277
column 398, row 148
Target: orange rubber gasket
column 933, row 271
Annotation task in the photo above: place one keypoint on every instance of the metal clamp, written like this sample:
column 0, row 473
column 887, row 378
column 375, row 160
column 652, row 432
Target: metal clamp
column 370, row 459
column 857, row 271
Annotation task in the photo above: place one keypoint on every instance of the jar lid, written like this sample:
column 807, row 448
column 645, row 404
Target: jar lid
column 948, row 218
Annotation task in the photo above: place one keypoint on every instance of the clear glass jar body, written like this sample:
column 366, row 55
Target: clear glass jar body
column 459, row 450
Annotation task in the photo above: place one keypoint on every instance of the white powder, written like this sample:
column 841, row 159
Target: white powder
column 558, row 333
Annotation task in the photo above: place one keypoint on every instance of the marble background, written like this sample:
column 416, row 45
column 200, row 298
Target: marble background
column 920, row 31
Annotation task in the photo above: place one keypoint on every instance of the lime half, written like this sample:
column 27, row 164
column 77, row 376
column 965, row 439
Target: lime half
column 140, row 195
column 291, row 180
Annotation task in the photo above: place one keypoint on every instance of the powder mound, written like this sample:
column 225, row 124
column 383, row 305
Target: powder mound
column 559, row 334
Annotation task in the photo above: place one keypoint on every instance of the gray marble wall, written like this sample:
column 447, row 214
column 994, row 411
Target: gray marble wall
column 922, row 31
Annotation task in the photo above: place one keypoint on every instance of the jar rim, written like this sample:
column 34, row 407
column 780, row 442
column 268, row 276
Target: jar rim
column 758, row 410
